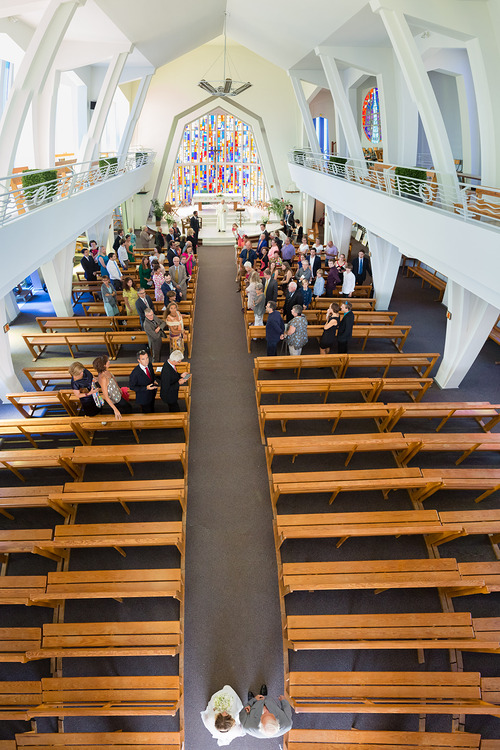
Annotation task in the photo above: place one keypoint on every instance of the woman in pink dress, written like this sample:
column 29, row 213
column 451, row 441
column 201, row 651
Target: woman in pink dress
column 187, row 253
column 158, row 277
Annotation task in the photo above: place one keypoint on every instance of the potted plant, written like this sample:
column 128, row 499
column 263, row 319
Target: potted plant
column 39, row 187
column 157, row 211
column 108, row 165
column 169, row 218
column 408, row 181
column 339, row 165
column 277, row 207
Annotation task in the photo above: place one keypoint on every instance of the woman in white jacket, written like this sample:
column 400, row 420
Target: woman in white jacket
column 221, row 716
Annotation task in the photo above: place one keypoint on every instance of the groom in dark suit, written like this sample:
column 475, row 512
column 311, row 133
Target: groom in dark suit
column 143, row 382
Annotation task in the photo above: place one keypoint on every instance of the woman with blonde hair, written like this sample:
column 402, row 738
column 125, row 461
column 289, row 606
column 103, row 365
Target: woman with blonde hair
column 221, row 716
column 175, row 323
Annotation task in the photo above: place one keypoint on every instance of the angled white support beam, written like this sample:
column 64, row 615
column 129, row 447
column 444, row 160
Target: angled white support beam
column 468, row 326
column 341, row 102
column 90, row 144
column 307, row 119
column 58, row 276
column 421, row 90
column 385, row 261
column 133, row 117
column 32, row 75
column 8, row 378
column 44, row 122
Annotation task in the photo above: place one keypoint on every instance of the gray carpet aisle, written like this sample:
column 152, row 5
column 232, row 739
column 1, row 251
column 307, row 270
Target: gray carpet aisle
column 232, row 627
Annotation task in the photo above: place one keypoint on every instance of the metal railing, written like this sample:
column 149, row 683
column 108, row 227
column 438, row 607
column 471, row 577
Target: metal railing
column 16, row 200
column 470, row 202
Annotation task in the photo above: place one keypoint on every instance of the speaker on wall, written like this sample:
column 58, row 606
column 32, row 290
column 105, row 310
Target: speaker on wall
column 92, row 105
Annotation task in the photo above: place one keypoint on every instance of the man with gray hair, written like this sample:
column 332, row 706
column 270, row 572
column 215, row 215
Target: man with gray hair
column 170, row 380
column 154, row 328
column 293, row 297
column 266, row 717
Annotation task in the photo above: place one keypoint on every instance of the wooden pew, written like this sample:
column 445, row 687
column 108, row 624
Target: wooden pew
column 389, row 631
column 88, row 426
column 333, row 482
column 488, row 571
column 28, row 402
column 21, row 589
column 472, row 522
column 97, row 308
column 17, row 697
column 25, row 429
column 116, row 535
column 50, row 324
column 390, row 692
column 318, row 317
column 354, row 739
column 486, row 415
column 428, row 277
column 396, row 334
column 37, row 343
column 15, row 642
column 379, row 575
column 30, row 497
column 97, row 740
column 42, row 378
column 30, row 541
column 147, row 490
column 460, row 479
column 358, row 303
column 116, row 339
column 466, row 443
column 108, row 696
column 127, row 454
column 370, row 388
column 108, row 584
column 95, row 639
column 37, row 458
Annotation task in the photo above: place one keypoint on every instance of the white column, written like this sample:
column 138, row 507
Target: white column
column 341, row 230
column 385, row 259
column 58, row 276
column 341, row 101
column 468, row 326
column 44, row 122
column 8, row 378
column 100, row 231
column 11, row 307
column 133, row 117
column 32, row 75
column 420, row 88
column 484, row 67
column 89, row 148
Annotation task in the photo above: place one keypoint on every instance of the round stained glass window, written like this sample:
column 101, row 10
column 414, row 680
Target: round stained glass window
column 371, row 116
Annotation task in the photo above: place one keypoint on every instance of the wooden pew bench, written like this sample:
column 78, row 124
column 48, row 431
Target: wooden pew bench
column 380, row 575
column 109, row 584
column 30, row 541
column 460, row 479
column 30, row 497
column 390, row 692
column 370, row 388
column 96, row 639
column 428, row 277
column 88, row 426
column 17, row 697
column 354, row 739
column 97, row 308
column 21, row 589
column 37, row 458
column 466, row 443
column 124, row 492
column 116, row 740
column 392, row 631
column 25, row 429
column 486, row 415
column 108, row 696
column 116, row 535
column 333, row 482
column 42, row 378
column 127, row 454
column 396, row 334
column 49, row 324
column 117, row 339
column 472, row 522
column 28, row 402
column 358, row 303
column 37, row 343
column 15, row 642
column 488, row 571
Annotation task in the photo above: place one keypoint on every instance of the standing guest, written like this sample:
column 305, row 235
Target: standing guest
column 270, row 286
column 154, row 328
column 188, row 257
column 168, row 286
column 133, row 238
column 274, row 251
column 143, row 382
column 275, row 328
column 84, row 388
column 175, row 323
column 171, row 380
column 175, row 232
column 250, row 290
column 93, row 248
column 361, row 266
column 266, row 717
column 288, row 250
column 157, row 277
column 159, row 240
column 292, row 297
column 330, row 250
column 90, row 267
column 221, row 716
column 143, row 303
column 287, row 276
column 304, row 247
column 327, row 340
column 118, row 239
column 340, row 264
column 145, row 273
column 130, row 296
column 332, row 279
column 306, row 293
column 314, row 261
column 300, row 230
column 221, row 211
column 123, row 254
column 264, row 261
column 318, row 246
column 102, row 260
column 111, row 391
column 296, row 331
column 289, row 220
column 145, row 236
column 179, row 276
column 263, row 230
column 247, row 255
column 191, row 239
column 259, row 305
column 194, row 223
column 346, row 323
column 348, row 282
column 108, row 294
column 114, row 272
column 262, row 243
column 158, row 257
column 303, row 272
column 319, row 284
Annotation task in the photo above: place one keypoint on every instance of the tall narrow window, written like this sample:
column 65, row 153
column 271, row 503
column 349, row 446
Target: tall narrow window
column 218, row 154
column 371, row 116
column 321, row 127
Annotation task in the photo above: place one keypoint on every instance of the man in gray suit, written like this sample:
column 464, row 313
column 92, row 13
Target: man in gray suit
column 266, row 717
column 178, row 274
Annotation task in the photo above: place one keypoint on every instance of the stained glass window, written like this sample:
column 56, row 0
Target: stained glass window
column 218, row 154
column 371, row 116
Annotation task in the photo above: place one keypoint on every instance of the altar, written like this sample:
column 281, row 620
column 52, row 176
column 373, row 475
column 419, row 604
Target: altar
column 229, row 198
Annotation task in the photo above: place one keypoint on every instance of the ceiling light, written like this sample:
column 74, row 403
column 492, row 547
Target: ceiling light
column 226, row 86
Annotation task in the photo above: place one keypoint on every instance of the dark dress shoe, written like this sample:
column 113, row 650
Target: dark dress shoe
column 250, row 696
column 263, row 689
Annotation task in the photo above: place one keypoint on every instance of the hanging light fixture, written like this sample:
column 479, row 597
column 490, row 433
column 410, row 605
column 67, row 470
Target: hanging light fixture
column 226, row 86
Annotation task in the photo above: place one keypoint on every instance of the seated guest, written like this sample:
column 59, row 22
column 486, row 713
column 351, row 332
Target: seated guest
column 84, row 388
column 111, row 391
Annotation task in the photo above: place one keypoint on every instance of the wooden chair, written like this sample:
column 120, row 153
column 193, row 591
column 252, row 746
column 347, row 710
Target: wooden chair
column 96, row 740
column 95, row 639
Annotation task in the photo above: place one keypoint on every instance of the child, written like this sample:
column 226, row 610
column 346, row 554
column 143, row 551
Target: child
column 319, row 284
column 306, row 293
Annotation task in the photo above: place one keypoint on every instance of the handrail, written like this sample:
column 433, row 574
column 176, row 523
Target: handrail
column 470, row 202
column 72, row 178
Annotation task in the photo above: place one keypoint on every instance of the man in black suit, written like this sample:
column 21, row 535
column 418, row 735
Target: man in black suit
column 118, row 240
column 290, row 220
column 361, row 266
column 90, row 267
column 142, row 304
column 344, row 331
column 143, row 382
column 293, row 297
column 263, row 230
column 314, row 262
column 170, row 380
column 194, row 223
column 270, row 287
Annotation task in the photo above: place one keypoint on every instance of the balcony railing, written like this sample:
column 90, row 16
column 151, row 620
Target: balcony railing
column 470, row 202
column 72, row 178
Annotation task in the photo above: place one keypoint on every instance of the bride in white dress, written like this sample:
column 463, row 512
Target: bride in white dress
column 221, row 716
